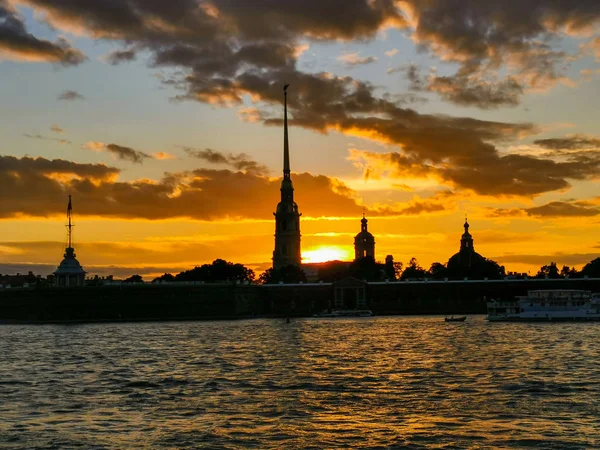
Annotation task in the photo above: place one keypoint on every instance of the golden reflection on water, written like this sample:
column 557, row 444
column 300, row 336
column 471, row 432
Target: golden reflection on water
column 314, row 383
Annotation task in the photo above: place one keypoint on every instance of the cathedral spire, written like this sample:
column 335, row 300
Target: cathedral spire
column 286, row 144
column 287, row 217
column 70, row 225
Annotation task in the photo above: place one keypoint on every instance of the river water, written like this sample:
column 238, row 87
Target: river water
column 382, row 382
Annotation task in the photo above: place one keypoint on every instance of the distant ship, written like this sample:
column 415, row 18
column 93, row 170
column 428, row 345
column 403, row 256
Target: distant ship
column 346, row 313
column 547, row 305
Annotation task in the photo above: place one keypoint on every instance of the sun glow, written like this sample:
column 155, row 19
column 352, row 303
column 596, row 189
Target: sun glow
column 322, row 254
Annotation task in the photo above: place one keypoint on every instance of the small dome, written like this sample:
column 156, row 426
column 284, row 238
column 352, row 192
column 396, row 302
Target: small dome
column 69, row 265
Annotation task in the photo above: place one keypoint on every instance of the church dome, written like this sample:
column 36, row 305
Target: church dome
column 467, row 261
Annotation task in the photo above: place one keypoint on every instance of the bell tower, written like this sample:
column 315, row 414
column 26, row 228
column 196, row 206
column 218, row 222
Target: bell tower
column 466, row 241
column 287, row 217
column 364, row 242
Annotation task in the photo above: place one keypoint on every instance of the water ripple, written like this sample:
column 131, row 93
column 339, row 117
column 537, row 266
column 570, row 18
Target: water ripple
column 353, row 383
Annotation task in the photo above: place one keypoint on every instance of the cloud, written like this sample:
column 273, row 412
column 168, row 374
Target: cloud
column 391, row 52
column 572, row 142
column 119, row 56
column 119, row 151
column 353, row 59
column 202, row 194
column 473, row 91
column 474, row 166
column 127, row 154
column 240, row 161
column 574, row 259
column 118, row 271
column 224, row 51
column 562, row 208
column 488, row 39
column 46, row 138
column 17, row 43
column 163, row 155
column 56, row 129
column 70, row 95
column 500, row 48
column 465, row 88
column 437, row 203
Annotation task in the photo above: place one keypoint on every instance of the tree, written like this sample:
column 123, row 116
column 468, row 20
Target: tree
column 549, row 271
column 366, row 269
column 438, row 271
column 591, row 269
column 398, row 266
column 134, row 279
column 164, row 277
column 413, row 270
column 218, row 271
column 492, row 270
column 287, row 274
column 569, row 272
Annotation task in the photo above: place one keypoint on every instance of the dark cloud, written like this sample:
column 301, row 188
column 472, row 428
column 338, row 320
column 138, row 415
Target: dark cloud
column 575, row 259
column 119, row 272
column 476, row 166
column 563, row 208
column 569, row 143
column 464, row 88
column 70, row 95
column 467, row 91
column 56, row 129
column 484, row 37
column 240, row 161
column 19, row 44
column 122, row 152
column 119, row 56
column 46, row 138
column 127, row 154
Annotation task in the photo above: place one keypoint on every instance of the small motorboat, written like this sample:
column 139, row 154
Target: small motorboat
column 455, row 319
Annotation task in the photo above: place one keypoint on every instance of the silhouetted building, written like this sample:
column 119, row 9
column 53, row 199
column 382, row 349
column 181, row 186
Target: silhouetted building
column 69, row 272
column 287, row 217
column 364, row 242
column 466, row 258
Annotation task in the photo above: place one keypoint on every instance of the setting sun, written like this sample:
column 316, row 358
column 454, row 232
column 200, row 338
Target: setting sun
column 323, row 254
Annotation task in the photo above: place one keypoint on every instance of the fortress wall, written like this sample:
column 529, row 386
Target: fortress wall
column 221, row 301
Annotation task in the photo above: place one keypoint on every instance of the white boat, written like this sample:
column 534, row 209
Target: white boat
column 547, row 305
column 346, row 313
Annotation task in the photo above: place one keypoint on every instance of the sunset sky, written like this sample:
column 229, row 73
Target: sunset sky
column 163, row 119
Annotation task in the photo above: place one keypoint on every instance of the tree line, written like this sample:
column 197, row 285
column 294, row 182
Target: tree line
column 368, row 269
